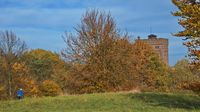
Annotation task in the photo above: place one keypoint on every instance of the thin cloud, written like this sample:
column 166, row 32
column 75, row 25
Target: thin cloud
column 46, row 18
column 39, row 20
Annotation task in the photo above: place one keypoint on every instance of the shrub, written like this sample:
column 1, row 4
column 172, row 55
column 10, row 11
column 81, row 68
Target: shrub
column 2, row 92
column 29, row 86
column 195, row 87
column 50, row 88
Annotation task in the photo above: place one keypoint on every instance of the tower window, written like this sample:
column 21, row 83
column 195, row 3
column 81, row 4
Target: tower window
column 157, row 47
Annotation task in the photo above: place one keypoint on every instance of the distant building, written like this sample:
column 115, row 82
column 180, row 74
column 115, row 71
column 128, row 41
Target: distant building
column 160, row 45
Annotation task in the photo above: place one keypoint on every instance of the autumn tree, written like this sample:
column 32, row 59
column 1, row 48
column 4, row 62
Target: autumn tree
column 183, row 74
column 152, row 72
column 104, row 59
column 100, row 54
column 50, row 88
column 41, row 63
column 11, row 48
column 95, row 28
column 45, row 65
column 189, row 13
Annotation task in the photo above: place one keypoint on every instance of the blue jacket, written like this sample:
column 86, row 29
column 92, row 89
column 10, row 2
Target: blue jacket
column 20, row 93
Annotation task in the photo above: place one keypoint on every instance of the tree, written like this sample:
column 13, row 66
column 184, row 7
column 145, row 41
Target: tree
column 100, row 54
column 95, row 28
column 152, row 73
column 11, row 48
column 189, row 13
column 50, row 88
column 103, row 59
column 43, row 65
column 183, row 74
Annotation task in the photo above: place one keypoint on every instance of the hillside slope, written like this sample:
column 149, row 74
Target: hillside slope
column 108, row 102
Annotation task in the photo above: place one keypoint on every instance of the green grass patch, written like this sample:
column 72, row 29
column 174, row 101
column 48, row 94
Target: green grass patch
column 108, row 102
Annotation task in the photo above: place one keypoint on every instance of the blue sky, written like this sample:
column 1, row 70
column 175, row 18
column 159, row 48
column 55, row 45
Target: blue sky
column 41, row 23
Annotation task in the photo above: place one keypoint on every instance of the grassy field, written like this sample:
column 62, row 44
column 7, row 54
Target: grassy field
column 108, row 102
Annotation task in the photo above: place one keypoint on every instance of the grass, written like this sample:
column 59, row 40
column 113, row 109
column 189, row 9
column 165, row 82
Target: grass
column 108, row 102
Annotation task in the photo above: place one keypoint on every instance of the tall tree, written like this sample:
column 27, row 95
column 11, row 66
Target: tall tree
column 96, row 27
column 189, row 13
column 103, row 58
column 11, row 48
column 100, row 54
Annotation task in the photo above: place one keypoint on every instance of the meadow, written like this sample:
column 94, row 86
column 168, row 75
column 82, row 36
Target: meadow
column 107, row 102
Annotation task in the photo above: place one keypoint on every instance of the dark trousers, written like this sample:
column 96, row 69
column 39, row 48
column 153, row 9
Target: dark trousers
column 19, row 97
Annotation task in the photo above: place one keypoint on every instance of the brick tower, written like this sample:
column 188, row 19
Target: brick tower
column 160, row 45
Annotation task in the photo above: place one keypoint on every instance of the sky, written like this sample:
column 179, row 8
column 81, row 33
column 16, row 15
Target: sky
column 42, row 23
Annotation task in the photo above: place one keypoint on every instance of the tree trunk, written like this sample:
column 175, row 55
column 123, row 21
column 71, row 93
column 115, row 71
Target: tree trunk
column 9, row 83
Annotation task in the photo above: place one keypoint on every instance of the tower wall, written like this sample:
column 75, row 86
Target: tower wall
column 160, row 45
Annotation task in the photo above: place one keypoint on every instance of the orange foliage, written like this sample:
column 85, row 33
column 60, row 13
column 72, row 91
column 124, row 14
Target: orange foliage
column 194, row 87
column 104, row 60
column 19, row 68
column 29, row 86
column 189, row 13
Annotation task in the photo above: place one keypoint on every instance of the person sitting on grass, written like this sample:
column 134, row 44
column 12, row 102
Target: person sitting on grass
column 20, row 93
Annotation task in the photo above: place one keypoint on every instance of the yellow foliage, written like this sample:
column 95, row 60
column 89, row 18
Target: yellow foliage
column 50, row 88
column 29, row 86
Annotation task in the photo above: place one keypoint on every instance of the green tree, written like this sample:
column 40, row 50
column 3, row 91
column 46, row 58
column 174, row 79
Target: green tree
column 43, row 65
column 183, row 75
column 183, row 68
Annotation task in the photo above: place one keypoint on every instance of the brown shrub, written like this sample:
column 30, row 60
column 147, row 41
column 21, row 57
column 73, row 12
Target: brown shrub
column 195, row 87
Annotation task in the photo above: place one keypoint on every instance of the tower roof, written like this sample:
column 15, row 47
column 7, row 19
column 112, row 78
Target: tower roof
column 152, row 36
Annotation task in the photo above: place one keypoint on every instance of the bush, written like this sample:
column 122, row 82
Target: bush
column 29, row 86
column 2, row 92
column 195, row 87
column 50, row 88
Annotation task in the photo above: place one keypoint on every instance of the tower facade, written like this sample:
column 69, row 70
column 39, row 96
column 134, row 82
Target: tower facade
column 160, row 45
